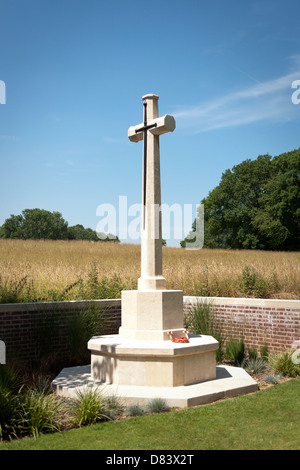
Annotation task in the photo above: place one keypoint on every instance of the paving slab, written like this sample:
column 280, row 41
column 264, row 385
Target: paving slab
column 229, row 382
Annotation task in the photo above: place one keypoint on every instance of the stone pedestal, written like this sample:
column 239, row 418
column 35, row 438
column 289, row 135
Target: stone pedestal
column 150, row 315
column 142, row 354
column 119, row 361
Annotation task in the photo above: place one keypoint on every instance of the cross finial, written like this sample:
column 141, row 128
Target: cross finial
column 152, row 127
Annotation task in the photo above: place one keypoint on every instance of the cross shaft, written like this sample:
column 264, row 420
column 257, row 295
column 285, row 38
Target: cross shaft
column 151, row 232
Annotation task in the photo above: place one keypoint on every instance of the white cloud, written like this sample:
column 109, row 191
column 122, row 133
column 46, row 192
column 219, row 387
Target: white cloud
column 269, row 100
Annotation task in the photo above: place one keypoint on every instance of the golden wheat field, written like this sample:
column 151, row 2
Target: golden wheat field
column 48, row 264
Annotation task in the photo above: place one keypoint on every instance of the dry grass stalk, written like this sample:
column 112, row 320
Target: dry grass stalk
column 59, row 264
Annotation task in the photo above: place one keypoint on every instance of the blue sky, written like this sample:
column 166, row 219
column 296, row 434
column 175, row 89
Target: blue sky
column 75, row 73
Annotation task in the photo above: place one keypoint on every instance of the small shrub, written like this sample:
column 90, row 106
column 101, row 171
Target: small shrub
column 135, row 410
column 106, row 288
column 157, row 405
column 113, row 407
column 10, row 380
column 253, row 284
column 282, row 364
column 272, row 379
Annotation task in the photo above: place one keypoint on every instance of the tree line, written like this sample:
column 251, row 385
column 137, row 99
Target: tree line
column 255, row 206
column 42, row 224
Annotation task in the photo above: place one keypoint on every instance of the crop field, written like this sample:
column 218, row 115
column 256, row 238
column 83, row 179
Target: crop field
column 32, row 270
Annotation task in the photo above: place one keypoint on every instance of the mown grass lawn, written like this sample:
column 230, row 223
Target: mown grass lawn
column 268, row 419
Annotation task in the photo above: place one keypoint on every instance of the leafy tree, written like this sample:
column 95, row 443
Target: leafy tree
column 78, row 232
column 256, row 205
column 35, row 224
column 43, row 224
column 279, row 220
column 12, row 227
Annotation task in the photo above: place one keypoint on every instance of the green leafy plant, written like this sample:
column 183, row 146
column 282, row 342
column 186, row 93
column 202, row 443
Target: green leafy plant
column 106, row 288
column 10, row 380
column 89, row 407
column 253, row 284
column 40, row 413
column 252, row 354
column 83, row 325
column 264, row 352
column 235, row 351
column 113, row 406
column 255, row 365
column 25, row 411
column 200, row 321
column 282, row 364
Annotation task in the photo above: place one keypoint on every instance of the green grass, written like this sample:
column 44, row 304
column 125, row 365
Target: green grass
column 268, row 419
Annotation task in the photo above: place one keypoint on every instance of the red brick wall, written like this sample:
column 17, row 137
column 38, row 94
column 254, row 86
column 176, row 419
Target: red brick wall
column 258, row 321
column 29, row 329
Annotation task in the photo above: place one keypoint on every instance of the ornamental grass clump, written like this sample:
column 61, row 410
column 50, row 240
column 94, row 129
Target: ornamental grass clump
column 157, row 405
column 282, row 363
column 235, row 351
column 272, row 379
column 255, row 365
column 39, row 413
column 89, row 407
column 135, row 410
column 200, row 321
column 25, row 411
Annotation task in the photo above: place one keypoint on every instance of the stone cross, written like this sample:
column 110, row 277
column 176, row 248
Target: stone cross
column 151, row 232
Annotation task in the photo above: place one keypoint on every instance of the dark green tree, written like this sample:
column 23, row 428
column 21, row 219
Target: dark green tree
column 256, row 205
column 43, row 224
column 12, row 227
column 278, row 222
column 35, row 224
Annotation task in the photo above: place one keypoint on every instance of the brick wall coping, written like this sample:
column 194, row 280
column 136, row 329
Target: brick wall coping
column 62, row 305
column 78, row 304
column 245, row 302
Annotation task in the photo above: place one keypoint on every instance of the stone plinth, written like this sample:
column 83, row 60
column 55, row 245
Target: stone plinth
column 150, row 315
column 115, row 360
column 229, row 382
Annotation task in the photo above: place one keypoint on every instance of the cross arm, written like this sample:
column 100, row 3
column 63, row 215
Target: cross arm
column 162, row 126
